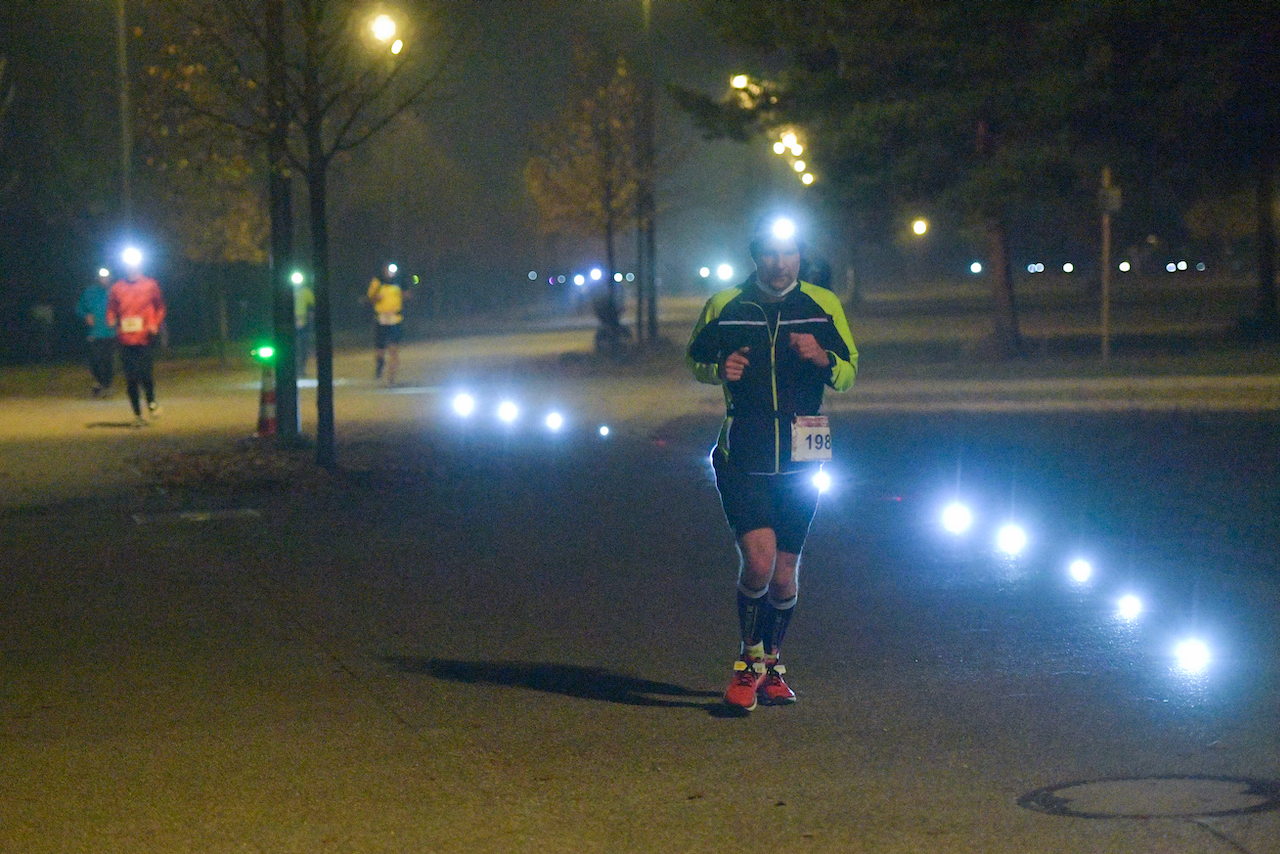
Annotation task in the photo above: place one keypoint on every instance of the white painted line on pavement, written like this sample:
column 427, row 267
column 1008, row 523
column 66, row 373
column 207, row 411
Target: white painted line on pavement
column 197, row 516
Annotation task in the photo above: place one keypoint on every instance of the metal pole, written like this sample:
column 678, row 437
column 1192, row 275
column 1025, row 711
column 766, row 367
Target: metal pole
column 126, row 123
column 1106, row 264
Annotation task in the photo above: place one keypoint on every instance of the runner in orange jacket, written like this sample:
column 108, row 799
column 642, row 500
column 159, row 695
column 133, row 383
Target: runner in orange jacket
column 135, row 309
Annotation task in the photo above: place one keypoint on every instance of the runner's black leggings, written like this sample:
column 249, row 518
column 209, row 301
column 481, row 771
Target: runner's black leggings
column 136, row 360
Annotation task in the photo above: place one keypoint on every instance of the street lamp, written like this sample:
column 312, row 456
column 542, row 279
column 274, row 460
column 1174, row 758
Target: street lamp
column 384, row 29
column 920, row 226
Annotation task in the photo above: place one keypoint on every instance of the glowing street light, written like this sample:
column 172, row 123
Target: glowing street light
column 920, row 226
column 464, row 405
column 724, row 272
column 799, row 166
column 297, row 278
column 779, row 147
column 396, row 47
column 596, row 273
column 705, row 272
column 740, row 81
column 806, row 178
column 384, row 29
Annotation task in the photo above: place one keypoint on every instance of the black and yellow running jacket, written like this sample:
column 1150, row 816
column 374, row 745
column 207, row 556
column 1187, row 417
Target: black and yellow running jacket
column 777, row 384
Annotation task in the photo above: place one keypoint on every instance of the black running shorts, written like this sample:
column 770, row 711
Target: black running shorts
column 386, row 334
column 784, row 502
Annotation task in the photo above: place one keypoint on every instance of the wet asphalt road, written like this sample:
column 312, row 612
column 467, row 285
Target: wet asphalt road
column 509, row 641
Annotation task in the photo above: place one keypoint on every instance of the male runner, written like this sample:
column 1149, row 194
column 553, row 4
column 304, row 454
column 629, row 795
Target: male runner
column 774, row 343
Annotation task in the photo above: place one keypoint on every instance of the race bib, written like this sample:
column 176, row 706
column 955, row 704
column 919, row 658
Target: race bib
column 131, row 324
column 810, row 438
column 387, row 318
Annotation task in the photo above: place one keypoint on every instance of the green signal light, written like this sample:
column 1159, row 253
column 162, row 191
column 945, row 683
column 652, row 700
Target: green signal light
column 265, row 353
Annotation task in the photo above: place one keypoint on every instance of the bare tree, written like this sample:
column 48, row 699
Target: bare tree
column 308, row 80
column 583, row 177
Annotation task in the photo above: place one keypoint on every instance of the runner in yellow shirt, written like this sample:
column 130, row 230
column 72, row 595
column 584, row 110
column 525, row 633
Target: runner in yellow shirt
column 387, row 298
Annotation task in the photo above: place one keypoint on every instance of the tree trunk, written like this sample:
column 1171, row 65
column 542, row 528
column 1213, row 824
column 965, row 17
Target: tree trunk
column 280, row 189
column 326, row 453
column 1005, row 337
column 1268, row 319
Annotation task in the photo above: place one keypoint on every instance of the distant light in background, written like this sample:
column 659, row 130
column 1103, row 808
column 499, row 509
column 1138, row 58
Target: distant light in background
column 920, row 226
column 789, row 139
column 297, row 278
column 1200, row 267
column 1182, row 265
column 798, row 166
column 533, row 274
column 778, row 148
column 1081, row 570
column 596, row 273
column 554, row 421
column 579, row 280
column 724, row 272
column 617, row 277
column 132, row 257
column 957, row 518
column 1192, row 655
column 1011, row 539
column 822, row 480
column 103, row 272
column 806, row 178
column 631, row 277
column 1068, row 267
column 396, row 47
column 739, row 81
column 975, row 267
column 508, row 411
column 1170, row 267
column 604, row 429
column 1129, row 606
column 797, row 150
column 392, row 269
column 1125, row 266
column 560, row 279
column 704, row 272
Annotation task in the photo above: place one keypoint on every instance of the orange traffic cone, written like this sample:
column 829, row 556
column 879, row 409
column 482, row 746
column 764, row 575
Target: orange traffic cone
column 267, row 403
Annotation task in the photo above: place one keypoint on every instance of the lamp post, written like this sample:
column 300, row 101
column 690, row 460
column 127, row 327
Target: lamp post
column 126, row 123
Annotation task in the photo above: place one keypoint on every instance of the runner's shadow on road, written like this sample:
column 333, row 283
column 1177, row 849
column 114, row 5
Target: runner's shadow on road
column 571, row 680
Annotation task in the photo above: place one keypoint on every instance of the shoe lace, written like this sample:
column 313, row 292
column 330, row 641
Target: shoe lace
column 747, row 675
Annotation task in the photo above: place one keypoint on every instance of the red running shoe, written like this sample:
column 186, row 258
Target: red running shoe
column 747, row 676
column 772, row 690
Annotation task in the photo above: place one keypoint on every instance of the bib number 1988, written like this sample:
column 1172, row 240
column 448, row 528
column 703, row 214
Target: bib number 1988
column 810, row 438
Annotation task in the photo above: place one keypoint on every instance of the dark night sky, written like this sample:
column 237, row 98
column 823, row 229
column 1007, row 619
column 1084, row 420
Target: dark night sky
column 442, row 190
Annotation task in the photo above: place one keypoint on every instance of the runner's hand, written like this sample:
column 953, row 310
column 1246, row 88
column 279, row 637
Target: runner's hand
column 806, row 347
column 734, row 364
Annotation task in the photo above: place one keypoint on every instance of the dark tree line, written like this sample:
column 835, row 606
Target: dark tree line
column 988, row 109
